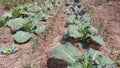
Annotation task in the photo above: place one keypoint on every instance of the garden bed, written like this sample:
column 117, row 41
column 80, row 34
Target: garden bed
column 107, row 13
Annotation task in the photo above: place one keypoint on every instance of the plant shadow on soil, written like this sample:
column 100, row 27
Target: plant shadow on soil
column 56, row 63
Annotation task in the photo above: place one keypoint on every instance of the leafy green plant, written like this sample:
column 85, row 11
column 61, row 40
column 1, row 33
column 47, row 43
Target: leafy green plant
column 24, row 11
column 90, row 59
column 81, row 27
column 23, row 21
column 18, row 23
column 4, row 18
column 7, row 4
column 55, row 2
column 84, row 30
column 8, row 51
column 17, row 13
column 21, row 11
column 66, row 51
column 22, row 36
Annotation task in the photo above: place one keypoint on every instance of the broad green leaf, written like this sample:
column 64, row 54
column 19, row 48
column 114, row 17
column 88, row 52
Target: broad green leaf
column 105, row 60
column 7, row 14
column 15, row 23
column 86, row 24
column 22, row 37
column 36, row 19
column 31, row 8
column 87, row 61
column 27, row 13
column 93, row 53
column 93, row 30
column 67, row 52
column 98, row 39
column 28, row 20
column 71, row 18
column 73, row 31
column 40, row 29
column 83, row 25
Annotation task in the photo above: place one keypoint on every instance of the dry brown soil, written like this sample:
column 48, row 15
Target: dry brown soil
column 108, row 12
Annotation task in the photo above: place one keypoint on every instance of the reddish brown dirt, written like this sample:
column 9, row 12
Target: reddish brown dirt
column 42, row 58
column 108, row 12
column 1, row 9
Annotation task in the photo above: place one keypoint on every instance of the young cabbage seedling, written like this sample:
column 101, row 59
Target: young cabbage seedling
column 8, row 51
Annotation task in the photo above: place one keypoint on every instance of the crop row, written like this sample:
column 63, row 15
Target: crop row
column 83, row 34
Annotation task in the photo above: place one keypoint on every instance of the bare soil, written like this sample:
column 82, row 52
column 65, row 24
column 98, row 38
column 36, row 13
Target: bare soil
column 42, row 58
column 108, row 12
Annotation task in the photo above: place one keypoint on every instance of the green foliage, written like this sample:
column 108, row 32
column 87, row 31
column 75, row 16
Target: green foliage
column 74, row 31
column 7, row 15
column 90, row 59
column 36, row 19
column 8, row 51
column 84, row 30
column 22, row 36
column 71, row 18
column 86, row 17
column 104, row 60
column 27, row 27
column 66, row 51
column 17, row 13
column 24, row 20
column 7, row 4
column 49, row 2
column 87, row 61
column 24, row 11
column 81, row 27
column 40, row 30
column 55, row 2
column 4, row 18
column 98, row 39
column 15, row 23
